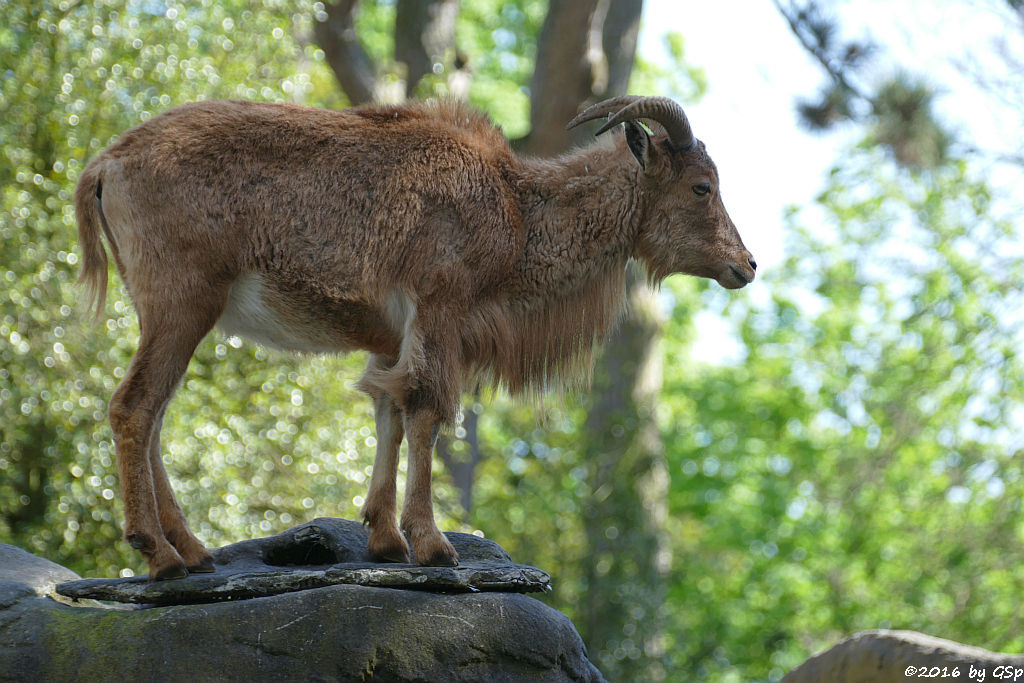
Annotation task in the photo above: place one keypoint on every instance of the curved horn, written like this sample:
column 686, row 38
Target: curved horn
column 601, row 109
column 661, row 109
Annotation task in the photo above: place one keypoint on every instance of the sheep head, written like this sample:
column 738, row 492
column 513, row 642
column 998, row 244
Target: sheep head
column 685, row 227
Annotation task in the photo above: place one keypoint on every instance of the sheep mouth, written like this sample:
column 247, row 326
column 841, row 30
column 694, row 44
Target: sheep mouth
column 735, row 278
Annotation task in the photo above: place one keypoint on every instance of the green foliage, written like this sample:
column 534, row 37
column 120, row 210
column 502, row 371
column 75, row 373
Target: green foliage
column 859, row 468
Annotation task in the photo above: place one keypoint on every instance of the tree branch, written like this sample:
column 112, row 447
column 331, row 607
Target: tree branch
column 351, row 65
column 424, row 34
column 816, row 51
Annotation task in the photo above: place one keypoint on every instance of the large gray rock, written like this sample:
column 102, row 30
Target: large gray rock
column 336, row 631
column 24, row 575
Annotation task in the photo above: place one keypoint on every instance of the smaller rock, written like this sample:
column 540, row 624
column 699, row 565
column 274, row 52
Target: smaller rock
column 884, row 656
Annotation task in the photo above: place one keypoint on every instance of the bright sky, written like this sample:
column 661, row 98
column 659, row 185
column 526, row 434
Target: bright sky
column 756, row 70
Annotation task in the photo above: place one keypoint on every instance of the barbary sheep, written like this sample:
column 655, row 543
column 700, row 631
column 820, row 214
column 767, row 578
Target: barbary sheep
column 412, row 232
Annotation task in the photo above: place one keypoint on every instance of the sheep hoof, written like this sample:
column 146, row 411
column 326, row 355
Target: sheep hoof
column 443, row 560
column 392, row 556
column 388, row 545
column 174, row 571
column 205, row 566
column 442, row 554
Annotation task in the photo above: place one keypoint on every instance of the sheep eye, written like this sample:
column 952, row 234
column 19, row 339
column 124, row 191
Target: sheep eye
column 701, row 190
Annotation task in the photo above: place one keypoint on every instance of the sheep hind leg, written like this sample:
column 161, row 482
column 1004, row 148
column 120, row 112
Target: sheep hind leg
column 148, row 384
column 386, row 541
column 170, row 330
column 172, row 520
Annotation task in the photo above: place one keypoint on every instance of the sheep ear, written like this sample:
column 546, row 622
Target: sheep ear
column 639, row 143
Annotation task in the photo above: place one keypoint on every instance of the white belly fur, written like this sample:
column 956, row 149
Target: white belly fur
column 248, row 315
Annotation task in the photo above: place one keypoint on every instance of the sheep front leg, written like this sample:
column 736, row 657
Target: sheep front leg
column 430, row 547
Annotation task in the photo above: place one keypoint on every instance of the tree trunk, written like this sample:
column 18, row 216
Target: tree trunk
column 585, row 53
column 621, row 30
column 625, row 516
column 570, row 69
column 462, row 455
column 424, row 36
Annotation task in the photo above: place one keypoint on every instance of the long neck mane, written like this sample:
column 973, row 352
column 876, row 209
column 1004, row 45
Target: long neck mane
column 566, row 291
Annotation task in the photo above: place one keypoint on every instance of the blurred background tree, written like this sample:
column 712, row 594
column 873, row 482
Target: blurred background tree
column 856, row 466
column 899, row 109
column 897, row 106
column 585, row 50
